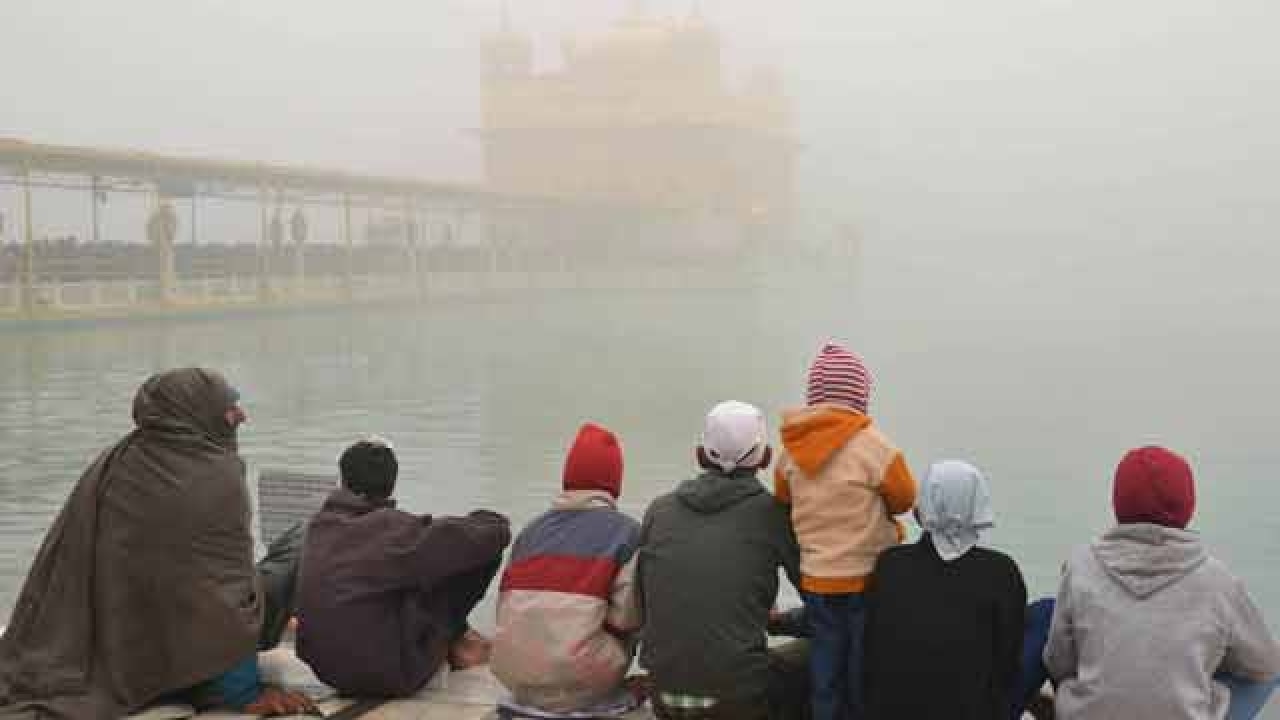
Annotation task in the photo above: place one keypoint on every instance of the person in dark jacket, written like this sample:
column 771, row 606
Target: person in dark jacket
column 383, row 595
column 709, row 559
column 945, row 618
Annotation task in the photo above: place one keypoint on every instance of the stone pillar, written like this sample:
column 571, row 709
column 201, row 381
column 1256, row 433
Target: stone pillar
column 411, row 242
column 349, row 281
column 94, row 194
column 493, row 247
column 298, row 234
column 276, row 252
column 27, row 282
column 264, row 266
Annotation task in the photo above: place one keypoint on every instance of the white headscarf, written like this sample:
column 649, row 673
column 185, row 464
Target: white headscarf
column 955, row 507
column 734, row 435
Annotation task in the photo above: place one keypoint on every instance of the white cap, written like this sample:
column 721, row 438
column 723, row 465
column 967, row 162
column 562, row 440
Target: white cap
column 735, row 435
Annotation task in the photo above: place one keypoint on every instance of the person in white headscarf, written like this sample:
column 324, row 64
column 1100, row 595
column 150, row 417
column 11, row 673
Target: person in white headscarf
column 945, row 616
column 954, row 507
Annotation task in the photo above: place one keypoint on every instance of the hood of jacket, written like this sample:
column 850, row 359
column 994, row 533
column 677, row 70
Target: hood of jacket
column 188, row 401
column 811, row 434
column 1145, row 558
column 712, row 492
column 584, row 500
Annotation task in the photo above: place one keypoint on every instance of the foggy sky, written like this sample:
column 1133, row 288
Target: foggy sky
column 933, row 123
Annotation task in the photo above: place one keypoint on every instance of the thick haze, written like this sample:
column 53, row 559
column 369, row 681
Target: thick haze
column 1016, row 145
column 952, row 122
column 1069, row 214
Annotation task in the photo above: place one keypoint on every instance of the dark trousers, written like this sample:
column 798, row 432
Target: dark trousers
column 785, row 698
column 278, row 572
column 1032, row 673
column 463, row 592
column 837, row 623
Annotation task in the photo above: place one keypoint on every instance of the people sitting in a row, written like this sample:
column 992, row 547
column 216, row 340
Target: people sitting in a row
column 145, row 588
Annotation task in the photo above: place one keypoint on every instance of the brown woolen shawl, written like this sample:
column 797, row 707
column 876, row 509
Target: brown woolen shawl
column 145, row 583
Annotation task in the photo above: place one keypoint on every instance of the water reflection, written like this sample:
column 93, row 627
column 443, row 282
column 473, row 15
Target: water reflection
column 482, row 399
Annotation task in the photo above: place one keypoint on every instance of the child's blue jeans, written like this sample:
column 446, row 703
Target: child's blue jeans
column 836, row 623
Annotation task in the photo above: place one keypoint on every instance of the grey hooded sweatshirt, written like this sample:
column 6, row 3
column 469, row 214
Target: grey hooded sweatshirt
column 1144, row 619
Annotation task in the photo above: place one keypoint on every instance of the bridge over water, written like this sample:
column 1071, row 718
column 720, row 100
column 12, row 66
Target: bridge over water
column 427, row 236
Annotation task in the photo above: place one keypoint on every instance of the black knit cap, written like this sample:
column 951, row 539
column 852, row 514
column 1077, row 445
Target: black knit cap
column 369, row 469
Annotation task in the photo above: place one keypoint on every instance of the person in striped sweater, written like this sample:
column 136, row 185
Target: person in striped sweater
column 844, row 481
column 568, row 610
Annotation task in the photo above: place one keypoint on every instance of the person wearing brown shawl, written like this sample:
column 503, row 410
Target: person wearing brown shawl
column 145, row 584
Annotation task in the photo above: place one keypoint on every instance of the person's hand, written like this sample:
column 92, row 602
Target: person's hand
column 495, row 517
column 776, row 618
column 470, row 650
column 789, row 623
column 276, row 702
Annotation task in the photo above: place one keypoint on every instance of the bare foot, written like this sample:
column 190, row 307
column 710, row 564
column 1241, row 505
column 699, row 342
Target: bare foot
column 277, row 702
column 470, row 650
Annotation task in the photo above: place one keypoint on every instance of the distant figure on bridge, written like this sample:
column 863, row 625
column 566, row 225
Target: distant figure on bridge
column 162, row 225
column 298, row 228
column 275, row 233
column 162, row 229
column 145, row 587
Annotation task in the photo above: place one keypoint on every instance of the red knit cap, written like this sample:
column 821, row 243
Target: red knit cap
column 594, row 461
column 839, row 376
column 1154, row 485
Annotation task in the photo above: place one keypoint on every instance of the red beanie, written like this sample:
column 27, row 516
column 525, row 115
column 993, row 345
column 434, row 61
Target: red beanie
column 594, row 462
column 1154, row 485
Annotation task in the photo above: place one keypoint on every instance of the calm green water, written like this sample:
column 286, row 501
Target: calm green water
column 1044, row 392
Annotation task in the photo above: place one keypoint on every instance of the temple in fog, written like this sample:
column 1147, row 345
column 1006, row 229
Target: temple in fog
column 642, row 115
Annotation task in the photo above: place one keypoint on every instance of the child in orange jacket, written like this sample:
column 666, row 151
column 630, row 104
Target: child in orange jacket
column 845, row 481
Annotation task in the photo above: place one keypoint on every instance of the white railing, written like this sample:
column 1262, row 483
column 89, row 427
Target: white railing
column 87, row 296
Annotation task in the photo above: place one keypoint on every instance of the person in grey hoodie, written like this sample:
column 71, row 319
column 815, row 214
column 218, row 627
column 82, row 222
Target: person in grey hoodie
column 1146, row 618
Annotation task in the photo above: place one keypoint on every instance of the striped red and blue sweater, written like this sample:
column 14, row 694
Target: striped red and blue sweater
column 568, row 607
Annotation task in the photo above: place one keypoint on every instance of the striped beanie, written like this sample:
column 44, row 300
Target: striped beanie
column 838, row 376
